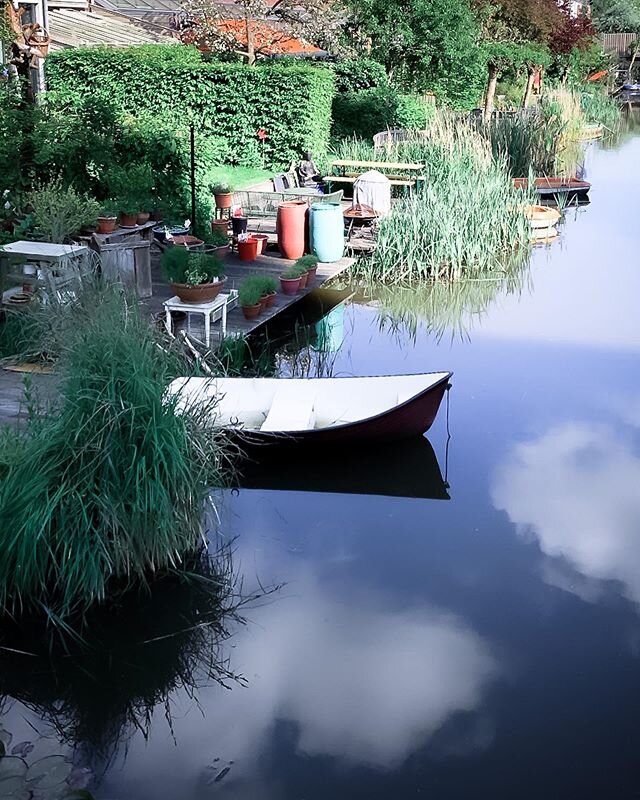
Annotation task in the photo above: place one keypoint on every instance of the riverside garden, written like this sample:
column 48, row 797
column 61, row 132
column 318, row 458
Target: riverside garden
column 368, row 623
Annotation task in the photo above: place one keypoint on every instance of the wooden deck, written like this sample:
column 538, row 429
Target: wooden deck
column 271, row 264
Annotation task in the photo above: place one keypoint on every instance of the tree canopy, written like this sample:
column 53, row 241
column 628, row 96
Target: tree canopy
column 612, row 16
column 425, row 44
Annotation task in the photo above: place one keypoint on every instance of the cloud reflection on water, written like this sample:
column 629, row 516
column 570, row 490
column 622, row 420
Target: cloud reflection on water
column 577, row 490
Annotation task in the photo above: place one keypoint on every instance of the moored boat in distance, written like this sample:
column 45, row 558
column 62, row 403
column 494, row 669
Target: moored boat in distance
column 552, row 188
column 319, row 411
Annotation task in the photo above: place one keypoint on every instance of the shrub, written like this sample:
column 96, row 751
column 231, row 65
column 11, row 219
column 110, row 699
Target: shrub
column 370, row 111
column 356, row 74
column 250, row 290
column 292, row 103
column 59, row 211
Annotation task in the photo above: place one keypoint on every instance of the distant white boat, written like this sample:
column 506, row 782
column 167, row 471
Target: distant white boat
column 318, row 410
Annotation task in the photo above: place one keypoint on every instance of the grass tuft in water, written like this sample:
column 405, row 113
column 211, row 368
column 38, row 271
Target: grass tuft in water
column 106, row 488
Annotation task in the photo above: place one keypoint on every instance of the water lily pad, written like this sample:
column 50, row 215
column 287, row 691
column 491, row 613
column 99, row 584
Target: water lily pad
column 48, row 772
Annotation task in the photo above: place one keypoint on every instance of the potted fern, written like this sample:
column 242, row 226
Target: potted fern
column 194, row 276
column 249, row 295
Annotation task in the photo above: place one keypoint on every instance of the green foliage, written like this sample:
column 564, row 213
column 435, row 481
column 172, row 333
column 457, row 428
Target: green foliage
column 250, row 290
column 429, row 45
column 221, row 188
column 292, row 103
column 370, row 111
column 613, row 16
column 466, row 220
column 268, row 284
column 59, row 211
column 599, row 108
column 107, row 488
column 356, row 74
column 217, row 238
column 526, row 142
column 180, row 265
column 308, row 262
column 290, row 273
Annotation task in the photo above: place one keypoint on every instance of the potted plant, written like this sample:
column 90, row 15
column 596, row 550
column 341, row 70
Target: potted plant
column 302, row 272
column 221, row 225
column 128, row 212
column 108, row 218
column 169, row 231
column 194, row 277
column 219, row 240
column 263, row 241
column 290, row 281
column 223, row 195
column 310, row 264
column 248, row 248
column 269, row 288
column 249, row 295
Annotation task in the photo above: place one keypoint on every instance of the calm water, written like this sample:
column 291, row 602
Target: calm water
column 483, row 646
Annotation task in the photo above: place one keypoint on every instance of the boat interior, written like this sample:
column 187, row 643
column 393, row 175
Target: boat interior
column 293, row 404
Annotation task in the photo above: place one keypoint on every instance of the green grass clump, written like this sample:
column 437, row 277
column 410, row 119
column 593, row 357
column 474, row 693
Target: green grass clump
column 308, row 262
column 251, row 290
column 106, row 489
column 599, row 108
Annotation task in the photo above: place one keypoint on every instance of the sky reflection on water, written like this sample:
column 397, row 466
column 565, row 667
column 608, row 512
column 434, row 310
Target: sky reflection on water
column 486, row 646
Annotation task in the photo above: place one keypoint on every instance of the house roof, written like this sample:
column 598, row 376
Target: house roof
column 75, row 28
column 270, row 39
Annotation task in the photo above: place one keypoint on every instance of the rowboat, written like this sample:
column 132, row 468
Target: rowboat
column 542, row 217
column 317, row 410
column 408, row 468
column 551, row 188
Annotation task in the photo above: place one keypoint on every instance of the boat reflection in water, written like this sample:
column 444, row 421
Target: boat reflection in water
column 403, row 469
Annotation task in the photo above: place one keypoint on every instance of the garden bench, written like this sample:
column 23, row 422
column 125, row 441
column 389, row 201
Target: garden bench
column 265, row 204
column 404, row 173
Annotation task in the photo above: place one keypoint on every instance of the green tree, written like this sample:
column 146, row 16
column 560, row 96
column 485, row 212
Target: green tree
column 535, row 58
column 425, row 45
column 500, row 57
column 612, row 16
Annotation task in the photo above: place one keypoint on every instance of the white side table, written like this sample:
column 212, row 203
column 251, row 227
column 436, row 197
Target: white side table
column 212, row 311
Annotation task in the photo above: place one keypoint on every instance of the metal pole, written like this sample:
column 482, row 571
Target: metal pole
column 192, row 136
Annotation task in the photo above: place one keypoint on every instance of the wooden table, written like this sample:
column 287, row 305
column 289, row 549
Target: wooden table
column 356, row 168
column 44, row 265
column 137, row 232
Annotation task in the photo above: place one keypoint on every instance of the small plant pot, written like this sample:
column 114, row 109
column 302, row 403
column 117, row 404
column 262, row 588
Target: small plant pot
column 289, row 285
column 128, row 220
column 239, row 225
column 221, row 225
column 222, row 251
column 204, row 293
column 143, row 217
column 263, row 241
column 252, row 312
column 268, row 300
column 303, row 281
column 248, row 250
column 224, row 200
column 106, row 224
column 311, row 275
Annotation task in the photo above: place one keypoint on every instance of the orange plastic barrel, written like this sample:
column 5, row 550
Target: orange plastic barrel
column 290, row 226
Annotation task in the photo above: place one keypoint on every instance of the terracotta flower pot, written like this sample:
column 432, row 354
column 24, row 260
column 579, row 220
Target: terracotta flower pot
column 289, row 285
column 311, row 275
column 290, row 227
column 204, row 293
column 221, row 225
column 303, row 280
column 128, row 220
column 106, row 224
column 263, row 240
column 263, row 302
column 248, row 250
column 269, row 299
column 143, row 217
column 224, row 200
column 252, row 312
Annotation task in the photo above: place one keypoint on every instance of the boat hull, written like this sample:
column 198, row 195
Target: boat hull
column 550, row 188
column 412, row 418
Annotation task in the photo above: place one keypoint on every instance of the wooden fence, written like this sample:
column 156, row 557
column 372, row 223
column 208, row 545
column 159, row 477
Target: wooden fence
column 617, row 43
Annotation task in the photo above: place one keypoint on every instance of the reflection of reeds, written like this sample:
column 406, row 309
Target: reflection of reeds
column 154, row 642
column 441, row 307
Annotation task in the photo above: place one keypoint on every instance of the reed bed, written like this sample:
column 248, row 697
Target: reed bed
column 599, row 108
column 467, row 218
column 106, row 488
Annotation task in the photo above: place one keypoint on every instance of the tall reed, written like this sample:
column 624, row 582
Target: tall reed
column 107, row 488
column 466, row 219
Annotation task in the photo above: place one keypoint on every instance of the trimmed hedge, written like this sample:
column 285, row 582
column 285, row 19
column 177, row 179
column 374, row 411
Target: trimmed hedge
column 231, row 101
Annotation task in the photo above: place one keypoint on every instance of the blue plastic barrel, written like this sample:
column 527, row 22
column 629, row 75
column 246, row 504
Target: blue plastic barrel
column 326, row 232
